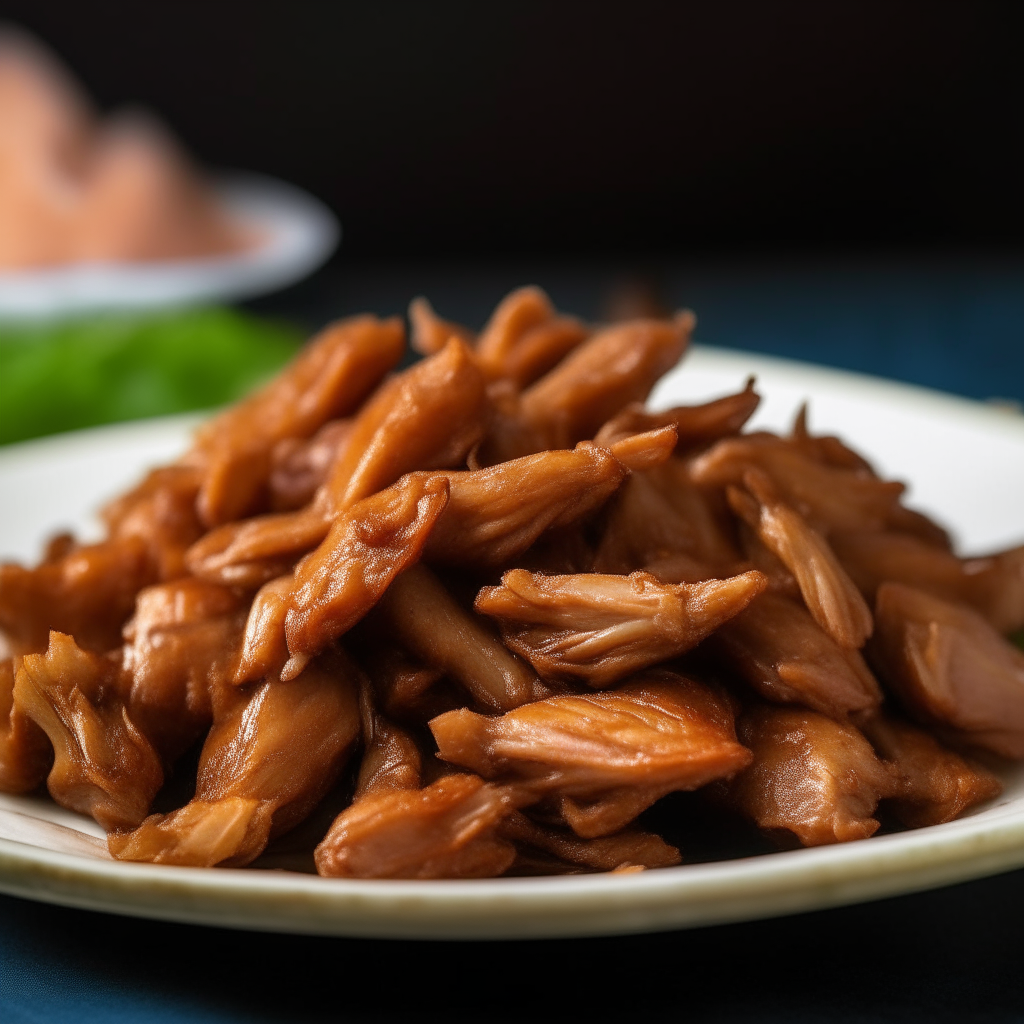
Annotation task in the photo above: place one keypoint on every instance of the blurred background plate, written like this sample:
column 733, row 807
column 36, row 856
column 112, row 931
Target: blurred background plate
column 298, row 234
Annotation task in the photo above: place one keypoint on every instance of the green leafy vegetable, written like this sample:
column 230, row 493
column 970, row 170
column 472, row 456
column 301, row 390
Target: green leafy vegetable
column 113, row 367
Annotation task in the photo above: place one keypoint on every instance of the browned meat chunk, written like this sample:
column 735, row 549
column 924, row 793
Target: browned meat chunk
column 329, row 379
column 525, row 337
column 829, row 498
column 89, row 594
column 932, row 783
column 811, row 776
column 659, row 515
column 695, row 424
column 428, row 417
column 25, row 751
column 267, row 762
column 420, row 613
column 601, row 628
column 828, row 592
column 448, row 830
column 103, row 765
column 993, row 586
column 617, row 365
column 788, row 658
column 603, row 757
column 181, row 647
column 391, row 759
column 950, row 667
column 493, row 515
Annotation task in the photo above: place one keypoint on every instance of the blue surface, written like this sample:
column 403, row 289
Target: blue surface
column 950, row 955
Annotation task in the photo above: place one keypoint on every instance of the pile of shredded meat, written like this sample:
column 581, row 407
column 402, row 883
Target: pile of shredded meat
column 478, row 616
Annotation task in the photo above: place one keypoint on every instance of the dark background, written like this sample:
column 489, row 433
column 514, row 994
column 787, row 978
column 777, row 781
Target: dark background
column 498, row 129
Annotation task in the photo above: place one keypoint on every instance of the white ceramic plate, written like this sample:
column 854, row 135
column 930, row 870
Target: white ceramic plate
column 966, row 462
column 298, row 234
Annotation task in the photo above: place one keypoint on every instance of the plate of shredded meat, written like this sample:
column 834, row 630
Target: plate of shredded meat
column 565, row 629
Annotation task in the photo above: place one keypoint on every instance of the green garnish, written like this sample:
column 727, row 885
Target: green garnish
column 114, row 367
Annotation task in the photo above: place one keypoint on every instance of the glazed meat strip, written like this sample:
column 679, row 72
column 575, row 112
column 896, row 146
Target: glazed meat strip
column 25, row 751
column 829, row 498
column 619, row 364
column 405, row 688
column 334, row 586
column 811, row 776
column 525, row 337
column 645, row 451
column 831, row 597
column 327, row 380
column 562, row 851
column 599, row 628
column 103, row 765
column 447, row 830
column 181, row 648
column 602, row 758
column 89, row 594
column 826, row 449
column 696, row 425
column 427, row 417
column 780, row 651
column 271, row 756
column 933, row 784
column 427, row 621
column 993, row 586
column 661, row 521
column 428, row 333
column 950, row 668
column 493, row 515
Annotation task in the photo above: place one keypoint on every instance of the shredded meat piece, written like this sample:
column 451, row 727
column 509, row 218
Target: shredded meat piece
column 788, row 658
column 830, row 595
column 368, row 546
column 404, row 686
column 493, row 515
column 950, row 668
column 419, row 612
column 524, row 337
column 647, row 450
column 254, row 551
column 617, row 365
column 181, row 646
column 327, row 380
column 695, row 425
column 933, row 784
column 447, row 830
column 25, row 751
column 103, row 765
column 628, row 848
column 427, row 417
column 603, row 757
column 829, row 498
column 993, row 586
column 299, row 467
column 89, row 594
column 267, row 762
column 600, row 628
column 828, row 450
column 811, row 776
column 429, row 333
column 658, row 515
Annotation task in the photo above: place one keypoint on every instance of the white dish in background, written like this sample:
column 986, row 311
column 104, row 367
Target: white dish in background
column 298, row 233
column 966, row 462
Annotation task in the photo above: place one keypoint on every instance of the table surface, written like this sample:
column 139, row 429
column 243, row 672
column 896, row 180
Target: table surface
column 949, row 955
